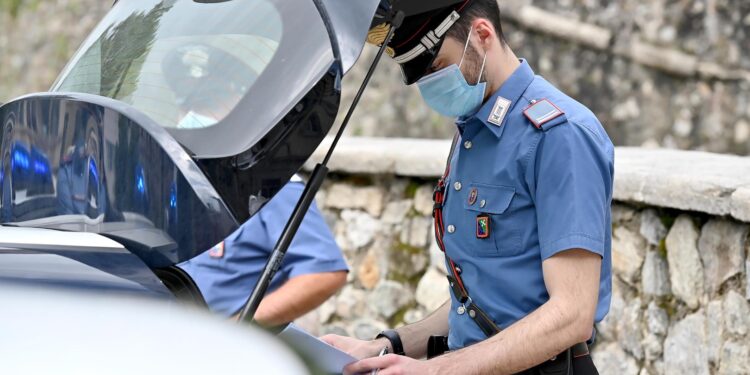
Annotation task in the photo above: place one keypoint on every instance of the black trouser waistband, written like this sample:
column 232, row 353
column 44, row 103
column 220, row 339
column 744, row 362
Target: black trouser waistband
column 573, row 361
column 576, row 359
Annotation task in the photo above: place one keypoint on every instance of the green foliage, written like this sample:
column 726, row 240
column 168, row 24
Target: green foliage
column 13, row 7
column 668, row 219
column 399, row 246
column 398, row 317
column 411, row 190
column 668, row 305
column 663, row 248
column 62, row 46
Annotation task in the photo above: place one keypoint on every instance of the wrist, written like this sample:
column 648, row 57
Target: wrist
column 378, row 344
column 394, row 338
column 434, row 367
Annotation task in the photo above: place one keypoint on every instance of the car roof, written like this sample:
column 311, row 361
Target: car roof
column 51, row 332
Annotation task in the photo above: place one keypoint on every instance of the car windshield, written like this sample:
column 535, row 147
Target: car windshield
column 193, row 66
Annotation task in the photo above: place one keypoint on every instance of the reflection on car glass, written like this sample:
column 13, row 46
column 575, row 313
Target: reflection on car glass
column 183, row 65
column 207, row 83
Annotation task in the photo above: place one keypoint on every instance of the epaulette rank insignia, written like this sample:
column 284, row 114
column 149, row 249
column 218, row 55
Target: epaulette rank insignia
column 542, row 112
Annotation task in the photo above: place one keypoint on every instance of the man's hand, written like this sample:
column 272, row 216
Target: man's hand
column 357, row 348
column 391, row 364
column 413, row 337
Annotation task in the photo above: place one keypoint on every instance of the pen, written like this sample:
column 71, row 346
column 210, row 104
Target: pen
column 383, row 352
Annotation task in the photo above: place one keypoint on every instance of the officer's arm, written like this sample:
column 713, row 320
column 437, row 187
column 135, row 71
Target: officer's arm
column 572, row 280
column 298, row 296
column 414, row 336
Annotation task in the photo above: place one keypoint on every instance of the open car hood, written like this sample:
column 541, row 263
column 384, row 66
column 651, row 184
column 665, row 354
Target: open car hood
column 178, row 119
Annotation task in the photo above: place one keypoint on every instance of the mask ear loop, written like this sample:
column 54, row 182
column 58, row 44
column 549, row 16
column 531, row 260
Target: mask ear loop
column 481, row 71
column 466, row 47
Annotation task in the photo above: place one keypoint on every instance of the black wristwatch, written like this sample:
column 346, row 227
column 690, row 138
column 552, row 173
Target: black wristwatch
column 394, row 338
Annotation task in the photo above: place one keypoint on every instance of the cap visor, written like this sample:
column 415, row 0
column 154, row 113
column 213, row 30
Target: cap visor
column 418, row 67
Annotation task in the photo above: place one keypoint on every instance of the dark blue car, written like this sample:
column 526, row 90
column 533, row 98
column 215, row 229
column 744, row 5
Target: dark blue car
column 175, row 121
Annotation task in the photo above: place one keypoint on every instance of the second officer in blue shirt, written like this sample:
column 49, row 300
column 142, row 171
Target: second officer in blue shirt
column 522, row 212
column 313, row 269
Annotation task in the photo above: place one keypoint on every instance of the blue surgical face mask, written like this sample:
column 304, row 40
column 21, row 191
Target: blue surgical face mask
column 447, row 92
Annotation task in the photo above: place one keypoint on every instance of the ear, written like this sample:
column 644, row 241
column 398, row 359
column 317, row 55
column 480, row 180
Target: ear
column 486, row 32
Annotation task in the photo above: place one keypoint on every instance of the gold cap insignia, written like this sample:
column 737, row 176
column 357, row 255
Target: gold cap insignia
column 377, row 35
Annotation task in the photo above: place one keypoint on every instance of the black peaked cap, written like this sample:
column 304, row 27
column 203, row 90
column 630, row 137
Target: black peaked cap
column 417, row 41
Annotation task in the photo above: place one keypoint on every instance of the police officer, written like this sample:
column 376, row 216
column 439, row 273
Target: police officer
column 312, row 271
column 522, row 212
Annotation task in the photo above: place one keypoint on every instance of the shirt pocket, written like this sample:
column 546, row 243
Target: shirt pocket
column 495, row 233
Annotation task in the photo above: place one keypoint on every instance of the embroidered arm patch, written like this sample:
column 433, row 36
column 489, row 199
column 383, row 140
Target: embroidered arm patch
column 542, row 112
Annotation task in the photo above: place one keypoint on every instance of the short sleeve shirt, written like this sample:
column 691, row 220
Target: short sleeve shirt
column 531, row 176
column 227, row 273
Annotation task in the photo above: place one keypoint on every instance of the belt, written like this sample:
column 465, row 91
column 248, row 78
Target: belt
column 579, row 350
column 561, row 363
column 438, row 345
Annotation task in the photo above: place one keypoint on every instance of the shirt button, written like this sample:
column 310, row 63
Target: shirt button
column 457, row 186
column 460, row 310
column 467, row 145
column 451, row 229
column 482, row 203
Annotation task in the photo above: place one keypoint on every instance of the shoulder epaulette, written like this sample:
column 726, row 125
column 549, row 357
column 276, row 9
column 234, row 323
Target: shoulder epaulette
column 544, row 115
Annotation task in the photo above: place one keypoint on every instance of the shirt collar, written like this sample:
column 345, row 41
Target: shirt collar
column 511, row 89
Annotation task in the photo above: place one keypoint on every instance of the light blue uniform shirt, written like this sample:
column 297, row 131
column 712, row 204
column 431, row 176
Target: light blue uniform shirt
column 545, row 189
column 227, row 273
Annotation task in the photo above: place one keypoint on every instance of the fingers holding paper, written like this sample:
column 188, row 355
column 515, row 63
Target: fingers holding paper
column 390, row 364
column 356, row 348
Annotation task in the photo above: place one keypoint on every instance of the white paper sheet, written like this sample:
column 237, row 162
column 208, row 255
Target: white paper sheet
column 326, row 357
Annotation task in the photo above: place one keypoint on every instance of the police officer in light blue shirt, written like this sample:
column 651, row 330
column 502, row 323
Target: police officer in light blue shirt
column 312, row 271
column 522, row 212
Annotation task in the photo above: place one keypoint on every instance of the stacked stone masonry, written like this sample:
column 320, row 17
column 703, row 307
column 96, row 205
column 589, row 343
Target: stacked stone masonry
column 657, row 73
column 680, row 285
column 667, row 73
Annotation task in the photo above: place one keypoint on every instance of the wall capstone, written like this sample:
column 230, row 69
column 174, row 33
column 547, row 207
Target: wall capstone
column 684, row 180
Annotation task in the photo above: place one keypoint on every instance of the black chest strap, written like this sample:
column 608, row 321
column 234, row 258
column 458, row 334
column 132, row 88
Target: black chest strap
column 485, row 323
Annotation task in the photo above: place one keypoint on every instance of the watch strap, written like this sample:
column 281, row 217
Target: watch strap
column 395, row 339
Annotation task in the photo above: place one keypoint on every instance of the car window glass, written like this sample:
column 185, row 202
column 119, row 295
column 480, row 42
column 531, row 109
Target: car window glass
column 180, row 62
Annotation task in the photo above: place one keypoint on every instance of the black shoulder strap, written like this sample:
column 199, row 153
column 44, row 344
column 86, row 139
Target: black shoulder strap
column 468, row 306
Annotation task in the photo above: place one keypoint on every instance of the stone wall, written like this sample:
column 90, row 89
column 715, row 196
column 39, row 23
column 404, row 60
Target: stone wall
column 680, row 244
column 38, row 37
column 657, row 72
